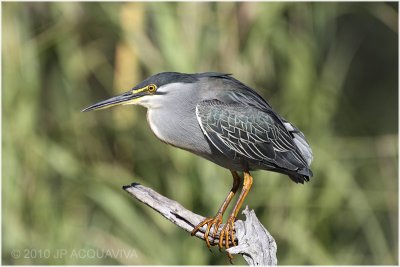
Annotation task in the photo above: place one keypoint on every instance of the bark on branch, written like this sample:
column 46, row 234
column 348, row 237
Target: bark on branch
column 255, row 243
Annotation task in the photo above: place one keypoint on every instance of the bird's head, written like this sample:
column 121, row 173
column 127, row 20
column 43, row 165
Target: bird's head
column 149, row 91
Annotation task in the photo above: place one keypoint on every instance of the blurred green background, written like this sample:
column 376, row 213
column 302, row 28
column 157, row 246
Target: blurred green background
column 330, row 68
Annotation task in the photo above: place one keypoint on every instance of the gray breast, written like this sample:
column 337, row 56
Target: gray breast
column 183, row 131
column 174, row 120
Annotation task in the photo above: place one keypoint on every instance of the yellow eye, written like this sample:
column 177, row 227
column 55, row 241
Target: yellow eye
column 151, row 88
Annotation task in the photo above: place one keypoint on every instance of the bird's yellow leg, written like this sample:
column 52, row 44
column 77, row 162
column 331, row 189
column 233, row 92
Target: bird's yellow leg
column 217, row 220
column 227, row 231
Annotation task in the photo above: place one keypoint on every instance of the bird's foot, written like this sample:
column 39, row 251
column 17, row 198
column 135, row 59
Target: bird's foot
column 214, row 221
column 227, row 233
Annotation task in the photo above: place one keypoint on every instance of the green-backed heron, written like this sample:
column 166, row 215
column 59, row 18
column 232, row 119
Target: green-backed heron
column 220, row 119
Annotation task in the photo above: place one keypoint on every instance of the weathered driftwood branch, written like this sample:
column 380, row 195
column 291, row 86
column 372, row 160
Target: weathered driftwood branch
column 255, row 243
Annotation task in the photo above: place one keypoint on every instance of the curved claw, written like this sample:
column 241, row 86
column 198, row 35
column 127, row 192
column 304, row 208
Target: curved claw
column 227, row 233
column 216, row 227
column 215, row 221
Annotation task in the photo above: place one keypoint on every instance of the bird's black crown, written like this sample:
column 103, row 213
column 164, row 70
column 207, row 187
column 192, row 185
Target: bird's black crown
column 164, row 78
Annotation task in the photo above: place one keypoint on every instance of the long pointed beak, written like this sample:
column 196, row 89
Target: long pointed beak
column 125, row 98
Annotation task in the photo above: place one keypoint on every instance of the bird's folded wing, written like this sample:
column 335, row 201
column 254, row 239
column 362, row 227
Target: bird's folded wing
column 242, row 131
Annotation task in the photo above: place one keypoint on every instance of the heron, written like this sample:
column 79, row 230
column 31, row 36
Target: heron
column 220, row 119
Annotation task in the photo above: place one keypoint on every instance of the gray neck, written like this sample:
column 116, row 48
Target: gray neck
column 172, row 118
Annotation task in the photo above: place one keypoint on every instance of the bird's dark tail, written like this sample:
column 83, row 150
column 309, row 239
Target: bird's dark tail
column 301, row 176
